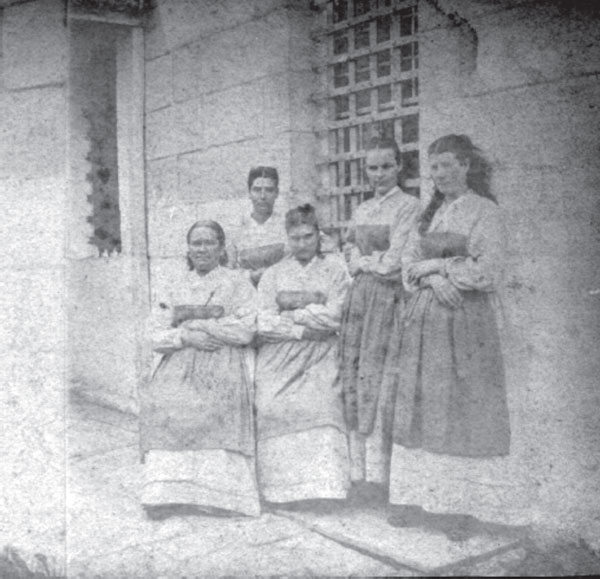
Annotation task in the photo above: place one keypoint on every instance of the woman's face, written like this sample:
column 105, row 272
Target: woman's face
column 448, row 173
column 382, row 170
column 204, row 249
column 263, row 193
column 303, row 241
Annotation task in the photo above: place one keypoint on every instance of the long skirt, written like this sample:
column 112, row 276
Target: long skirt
column 445, row 376
column 366, row 329
column 208, row 479
column 446, row 373
column 197, row 434
column 302, row 449
column 491, row 489
column 312, row 464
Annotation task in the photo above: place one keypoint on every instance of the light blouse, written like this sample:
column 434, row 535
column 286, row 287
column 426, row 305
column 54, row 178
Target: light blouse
column 247, row 233
column 397, row 210
column 221, row 287
column 327, row 274
column 481, row 221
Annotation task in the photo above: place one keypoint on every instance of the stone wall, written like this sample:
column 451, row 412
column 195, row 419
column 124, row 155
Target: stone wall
column 104, row 313
column 522, row 79
column 228, row 86
column 231, row 84
column 33, row 104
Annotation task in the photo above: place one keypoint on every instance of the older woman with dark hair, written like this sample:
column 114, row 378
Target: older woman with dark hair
column 444, row 367
column 302, row 448
column 196, row 418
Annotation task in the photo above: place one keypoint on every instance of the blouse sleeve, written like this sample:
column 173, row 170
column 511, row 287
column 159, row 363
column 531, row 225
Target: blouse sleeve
column 327, row 316
column 410, row 255
column 482, row 269
column 163, row 338
column 269, row 319
column 351, row 251
column 389, row 263
column 237, row 328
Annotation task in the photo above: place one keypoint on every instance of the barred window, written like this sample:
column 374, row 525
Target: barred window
column 372, row 89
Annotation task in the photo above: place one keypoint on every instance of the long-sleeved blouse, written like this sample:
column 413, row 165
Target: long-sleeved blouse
column 220, row 287
column 200, row 399
column 379, row 231
column 297, row 379
column 447, row 368
column 326, row 274
column 480, row 221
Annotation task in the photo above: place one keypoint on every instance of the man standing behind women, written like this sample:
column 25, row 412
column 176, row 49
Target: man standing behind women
column 258, row 239
column 302, row 450
column 444, row 365
column 376, row 239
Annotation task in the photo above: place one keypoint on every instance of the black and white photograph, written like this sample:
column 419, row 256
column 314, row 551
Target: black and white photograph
column 299, row 288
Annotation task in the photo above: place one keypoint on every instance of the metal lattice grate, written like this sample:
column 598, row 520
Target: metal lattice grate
column 373, row 89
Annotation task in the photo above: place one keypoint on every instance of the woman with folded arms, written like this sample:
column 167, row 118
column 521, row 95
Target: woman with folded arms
column 196, row 418
column 302, row 450
column 375, row 241
column 444, row 366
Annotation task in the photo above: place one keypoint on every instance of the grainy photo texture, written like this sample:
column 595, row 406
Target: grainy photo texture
column 299, row 288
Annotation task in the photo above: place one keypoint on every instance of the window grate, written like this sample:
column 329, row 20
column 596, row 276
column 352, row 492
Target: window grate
column 373, row 89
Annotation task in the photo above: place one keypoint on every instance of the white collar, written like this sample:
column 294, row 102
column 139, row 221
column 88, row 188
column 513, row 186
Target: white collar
column 393, row 191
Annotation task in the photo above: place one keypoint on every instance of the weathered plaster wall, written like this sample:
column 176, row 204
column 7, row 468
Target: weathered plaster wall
column 102, row 315
column 228, row 86
column 32, row 340
column 528, row 95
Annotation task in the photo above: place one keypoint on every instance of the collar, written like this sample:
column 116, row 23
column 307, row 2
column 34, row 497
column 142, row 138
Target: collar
column 450, row 208
column 275, row 217
column 213, row 274
column 393, row 191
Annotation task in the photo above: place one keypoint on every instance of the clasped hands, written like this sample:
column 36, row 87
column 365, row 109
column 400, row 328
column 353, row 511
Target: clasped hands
column 430, row 272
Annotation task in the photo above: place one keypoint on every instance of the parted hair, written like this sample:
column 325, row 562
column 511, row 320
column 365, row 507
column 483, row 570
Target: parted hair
column 219, row 231
column 304, row 215
column 265, row 173
column 478, row 175
column 380, row 142
column 301, row 215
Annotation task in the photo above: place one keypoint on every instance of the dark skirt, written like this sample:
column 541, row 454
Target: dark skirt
column 444, row 376
column 367, row 324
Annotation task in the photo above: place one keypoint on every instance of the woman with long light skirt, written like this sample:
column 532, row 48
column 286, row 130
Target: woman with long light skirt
column 444, row 366
column 375, row 241
column 196, row 419
column 302, row 450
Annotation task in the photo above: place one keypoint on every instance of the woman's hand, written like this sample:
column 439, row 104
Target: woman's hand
column 353, row 268
column 446, row 293
column 201, row 340
column 416, row 271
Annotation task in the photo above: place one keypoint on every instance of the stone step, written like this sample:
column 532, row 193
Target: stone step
column 421, row 551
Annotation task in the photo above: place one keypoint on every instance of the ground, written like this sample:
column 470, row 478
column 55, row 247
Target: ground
column 110, row 537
